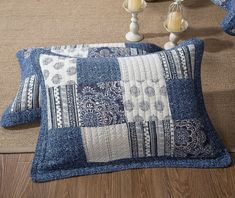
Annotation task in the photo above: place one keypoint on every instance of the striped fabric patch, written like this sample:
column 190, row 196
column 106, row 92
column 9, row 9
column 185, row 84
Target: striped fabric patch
column 27, row 95
column 179, row 63
column 130, row 140
column 63, row 106
column 153, row 138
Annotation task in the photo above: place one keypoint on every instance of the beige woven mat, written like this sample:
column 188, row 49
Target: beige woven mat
column 52, row 22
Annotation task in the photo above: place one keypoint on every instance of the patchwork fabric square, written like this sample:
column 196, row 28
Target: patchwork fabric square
column 100, row 104
column 228, row 23
column 25, row 107
column 120, row 113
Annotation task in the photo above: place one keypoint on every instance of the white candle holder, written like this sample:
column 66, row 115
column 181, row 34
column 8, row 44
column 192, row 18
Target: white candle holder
column 133, row 35
column 175, row 36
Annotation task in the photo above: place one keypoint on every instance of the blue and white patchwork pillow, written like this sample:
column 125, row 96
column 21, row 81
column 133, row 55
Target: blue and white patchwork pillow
column 110, row 114
column 25, row 107
column 228, row 24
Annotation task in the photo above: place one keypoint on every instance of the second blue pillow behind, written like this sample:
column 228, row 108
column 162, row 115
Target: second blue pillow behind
column 25, row 107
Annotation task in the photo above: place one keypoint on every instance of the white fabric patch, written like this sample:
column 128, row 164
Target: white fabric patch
column 24, row 94
column 49, row 119
column 81, row 51
column 107, row 45
column 57, row 70
column 103, row 144
column 192, row 57
column 145, row 94
column 76, row 51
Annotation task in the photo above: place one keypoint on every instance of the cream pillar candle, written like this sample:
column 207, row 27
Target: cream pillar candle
column 134, row 5
column 174, row 21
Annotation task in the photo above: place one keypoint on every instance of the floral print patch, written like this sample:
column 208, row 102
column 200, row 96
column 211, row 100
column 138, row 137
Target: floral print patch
column 100, row 104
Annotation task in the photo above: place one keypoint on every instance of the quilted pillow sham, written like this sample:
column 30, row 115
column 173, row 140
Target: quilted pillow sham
column 228, row 23
column 25, row 107
column 112, row 114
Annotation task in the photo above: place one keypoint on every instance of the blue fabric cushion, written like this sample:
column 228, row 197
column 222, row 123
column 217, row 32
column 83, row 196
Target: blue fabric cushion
column 25, row 107
column 112, row 114
column 228, row 24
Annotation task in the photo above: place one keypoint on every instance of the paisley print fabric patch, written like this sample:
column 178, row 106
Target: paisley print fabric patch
column 100, row 104
column 191, row 140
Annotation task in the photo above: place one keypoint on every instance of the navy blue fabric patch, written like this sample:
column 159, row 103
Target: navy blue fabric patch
column 191, row 139
column 98, row 70
column 150, row 48
column 100, row 104
column 65, row 145
column 228, row 23
column 183, row 101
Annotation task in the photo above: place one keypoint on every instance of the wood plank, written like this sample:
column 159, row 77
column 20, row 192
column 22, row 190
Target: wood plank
column 143, row 183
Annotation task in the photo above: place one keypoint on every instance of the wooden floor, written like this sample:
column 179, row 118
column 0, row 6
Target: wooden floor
column 146, row 183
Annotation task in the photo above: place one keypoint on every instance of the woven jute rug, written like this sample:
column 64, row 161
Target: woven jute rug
column 43, row 23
